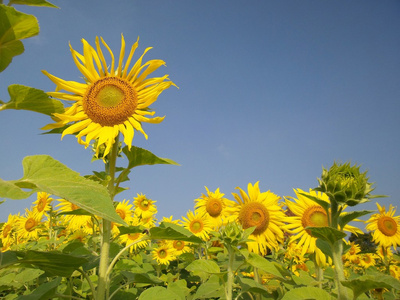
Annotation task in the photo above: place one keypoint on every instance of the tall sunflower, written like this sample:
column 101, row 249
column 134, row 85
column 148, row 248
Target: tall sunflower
column 112, row 99
column 262, row 211
column 214, row 204
column 385, row 227
column 307, row 213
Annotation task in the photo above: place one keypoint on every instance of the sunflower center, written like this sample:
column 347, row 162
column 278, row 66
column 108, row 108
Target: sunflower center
column 145, row 204
column 41, row 205
column 196, row 226
column 133, row 236
column 179, row 245
column 314, row 216
column 74, row 207
column 387, row 226
column 214, row 207
column 162, row 253
column 254, row 214
column 110, row 101
column 30, row 224
column 6, row 230
column 121, row 213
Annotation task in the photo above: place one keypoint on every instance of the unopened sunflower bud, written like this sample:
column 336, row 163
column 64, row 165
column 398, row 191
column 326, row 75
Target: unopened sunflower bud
column 345, row 184
column 232, row 234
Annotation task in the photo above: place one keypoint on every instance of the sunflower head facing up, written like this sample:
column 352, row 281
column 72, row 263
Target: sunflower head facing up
column 112, row 99
column 262, row 211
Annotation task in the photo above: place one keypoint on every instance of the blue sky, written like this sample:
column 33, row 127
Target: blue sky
column 269, row 91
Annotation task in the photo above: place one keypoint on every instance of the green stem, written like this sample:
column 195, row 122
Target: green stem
column 103, row 284
column 229, row 283
column 319, row 273
column 337, row 251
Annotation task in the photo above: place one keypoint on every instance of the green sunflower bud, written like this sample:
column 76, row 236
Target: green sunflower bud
column 232, row 234
column 345, row 184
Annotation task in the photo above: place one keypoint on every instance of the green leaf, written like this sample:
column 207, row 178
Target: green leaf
column 130, row 229
column 140, row 157
column 141, row 277
column 263, row 264
column 170, row 231
column 44, row 291
column 365, row 283
column 32, row 3
column 180, row 288
column 346, row 218
column 250, row 285
column 46, row 174
column 211, row 289
column 307, row 293
column 28, row 275
column 14, row 26
column 158, row 293
column 28, row 98
column 328, row 234
column 320, row 202
column 203, row 268
column 56, row 264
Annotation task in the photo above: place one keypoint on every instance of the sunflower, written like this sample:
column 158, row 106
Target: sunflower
column 262, row 211
column 198, row 224
column 170, row 219
column 144, row 207
column 367, row 260
column 7, row 231
column 74, row 222
column 181, row 247
column 42, row 203
column 124, row 209
column 164, row 254
column 214, row 205
column 29, row 226
column 307, row 213
column 112, row 99
column 130, row 238
column 385, row 227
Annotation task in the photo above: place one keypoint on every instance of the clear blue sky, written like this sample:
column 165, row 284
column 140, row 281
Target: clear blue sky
column 270, row 91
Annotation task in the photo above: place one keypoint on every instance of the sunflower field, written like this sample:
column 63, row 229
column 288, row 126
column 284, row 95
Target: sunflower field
column 77, row 242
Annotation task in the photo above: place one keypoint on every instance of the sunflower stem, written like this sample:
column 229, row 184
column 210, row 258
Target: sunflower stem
column 229, row 282
column 337, row 252
column 103, row 284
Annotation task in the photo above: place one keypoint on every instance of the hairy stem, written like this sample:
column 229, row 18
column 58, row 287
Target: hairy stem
column 103, row 284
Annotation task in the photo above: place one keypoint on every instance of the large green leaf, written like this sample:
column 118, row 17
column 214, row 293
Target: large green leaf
column 32, row 3
column 211, row 289
column 170, row 231
column 365, row 283
column 158, row 293
column 14, row 26
column 55, row 263
column 328, row 234
column 203, row 268
column 44, row 291
column 263, row 264
column 140, row 157
column 307, row 293
column 42, row 173
column 346, row 218
column 28, row 98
